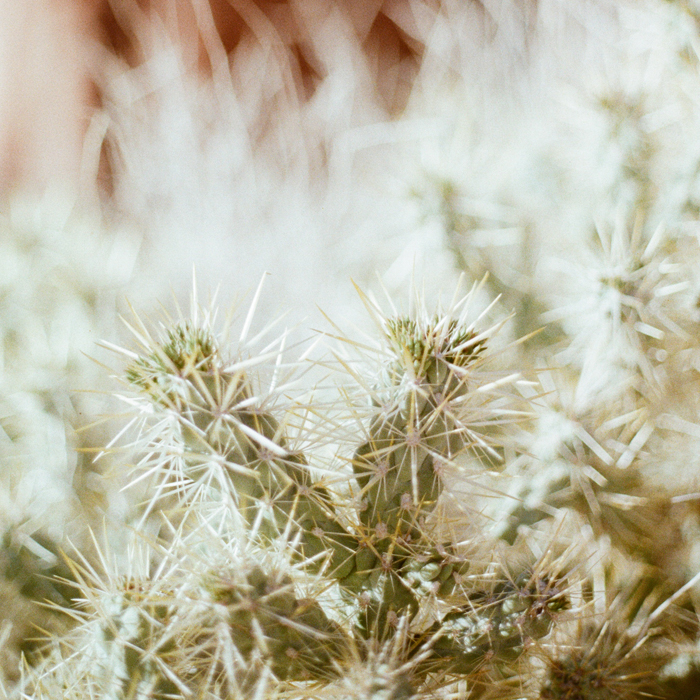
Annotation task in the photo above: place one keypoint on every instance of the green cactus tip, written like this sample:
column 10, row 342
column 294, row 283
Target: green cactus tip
column 185, row 348
column 442, row 340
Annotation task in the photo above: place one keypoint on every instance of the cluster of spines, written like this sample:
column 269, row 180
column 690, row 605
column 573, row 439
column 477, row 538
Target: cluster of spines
column 398, row 583
column 414, row 430
column 428, row 348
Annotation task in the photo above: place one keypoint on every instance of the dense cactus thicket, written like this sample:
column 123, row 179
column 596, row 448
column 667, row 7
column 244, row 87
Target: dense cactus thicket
column 298, row 544
column 357, row 540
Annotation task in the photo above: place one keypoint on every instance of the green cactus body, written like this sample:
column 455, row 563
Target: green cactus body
column 417, row 426
column 222, row 422
column 268, row 623
column 134, row 650
column 395, row 468
column 440, row 571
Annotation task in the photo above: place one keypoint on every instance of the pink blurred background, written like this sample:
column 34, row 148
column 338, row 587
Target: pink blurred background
column 52, row 54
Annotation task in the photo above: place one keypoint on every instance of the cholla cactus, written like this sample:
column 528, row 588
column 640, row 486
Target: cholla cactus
column 294, row 548
column 447, row 528
column 280, row 574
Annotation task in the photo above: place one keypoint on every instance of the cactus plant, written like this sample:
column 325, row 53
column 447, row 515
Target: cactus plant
column 285, row 574
column 458, row 515
column 288, row 547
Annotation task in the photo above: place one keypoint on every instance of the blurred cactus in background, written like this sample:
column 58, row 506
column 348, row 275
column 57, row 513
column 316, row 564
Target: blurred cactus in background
column 52, row 301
